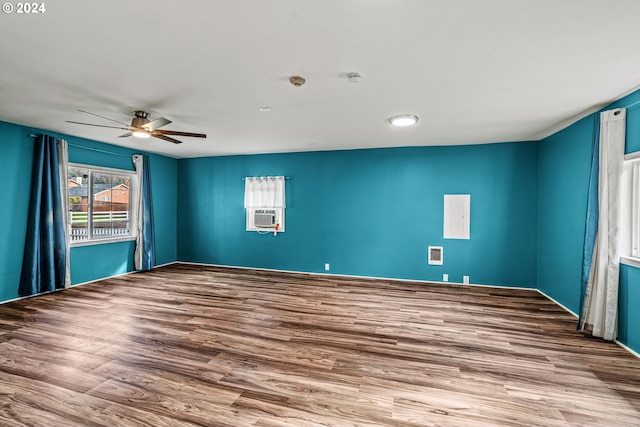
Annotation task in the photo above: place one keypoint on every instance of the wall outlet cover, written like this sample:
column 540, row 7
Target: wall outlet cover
column 327, row 266
column 445, row 277
column 465, row 280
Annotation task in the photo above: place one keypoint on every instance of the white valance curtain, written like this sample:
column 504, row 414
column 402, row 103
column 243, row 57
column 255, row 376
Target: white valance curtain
column 262, row 192
column 600, row 307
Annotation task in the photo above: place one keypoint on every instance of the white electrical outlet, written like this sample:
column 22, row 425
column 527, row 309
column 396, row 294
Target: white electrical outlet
column 326, row 266
column 445, row 277
column 465, row 280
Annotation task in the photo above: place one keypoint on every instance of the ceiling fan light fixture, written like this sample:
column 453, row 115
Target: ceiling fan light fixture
column 141, row 134
column 404, row 120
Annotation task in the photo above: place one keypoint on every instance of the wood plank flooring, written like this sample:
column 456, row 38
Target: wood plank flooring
column 188, row 345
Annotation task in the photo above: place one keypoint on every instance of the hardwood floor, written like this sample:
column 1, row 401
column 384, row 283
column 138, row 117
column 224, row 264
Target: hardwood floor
column 201, row 346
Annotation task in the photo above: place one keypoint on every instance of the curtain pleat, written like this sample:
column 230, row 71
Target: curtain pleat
column 264, row 192
column 45, row 261
column 591, row 224
column 280, row 195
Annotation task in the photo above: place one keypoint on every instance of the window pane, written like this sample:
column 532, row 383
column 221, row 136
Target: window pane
column 120, row 218
column 78, row 187
column 110, row 198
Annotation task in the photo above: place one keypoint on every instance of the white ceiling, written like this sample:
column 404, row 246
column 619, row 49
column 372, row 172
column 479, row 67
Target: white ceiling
column 474, row 71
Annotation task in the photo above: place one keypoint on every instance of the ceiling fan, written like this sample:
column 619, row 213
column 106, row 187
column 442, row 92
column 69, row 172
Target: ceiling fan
column 142, row 127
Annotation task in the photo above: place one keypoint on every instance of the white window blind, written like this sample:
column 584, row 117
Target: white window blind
column 262, row 192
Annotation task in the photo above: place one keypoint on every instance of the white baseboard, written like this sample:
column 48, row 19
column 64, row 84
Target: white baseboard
column 630, row 350
column 567, row 309
column 354, row 276
column 81, row 284
column 121, row 274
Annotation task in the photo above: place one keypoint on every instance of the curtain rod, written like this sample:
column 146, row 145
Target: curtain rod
column 91, row 149
column 99, row 150
column 244, row 179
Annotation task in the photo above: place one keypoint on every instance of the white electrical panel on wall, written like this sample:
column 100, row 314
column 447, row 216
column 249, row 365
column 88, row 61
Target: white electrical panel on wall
column 457, row 215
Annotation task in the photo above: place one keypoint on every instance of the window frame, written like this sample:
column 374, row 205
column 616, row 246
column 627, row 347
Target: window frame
column 90, row 240
column 635, row 208
column 630, row 211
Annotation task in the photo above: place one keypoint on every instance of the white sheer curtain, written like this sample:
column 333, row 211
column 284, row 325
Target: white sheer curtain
column 264, row 192
column 600, row 310
column 63, row 165
column 137, row 211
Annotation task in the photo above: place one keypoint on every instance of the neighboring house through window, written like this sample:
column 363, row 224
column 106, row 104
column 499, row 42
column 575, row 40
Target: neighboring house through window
column 99, row 204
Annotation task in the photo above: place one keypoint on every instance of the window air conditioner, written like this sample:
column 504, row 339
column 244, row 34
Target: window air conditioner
column 264, row 218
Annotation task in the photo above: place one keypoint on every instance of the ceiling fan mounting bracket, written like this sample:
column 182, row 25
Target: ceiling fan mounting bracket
column 141, row 118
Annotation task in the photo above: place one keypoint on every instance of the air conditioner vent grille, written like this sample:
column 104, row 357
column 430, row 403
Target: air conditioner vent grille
column 264, row 218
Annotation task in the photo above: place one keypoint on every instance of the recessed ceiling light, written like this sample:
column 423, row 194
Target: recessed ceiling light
column 404, row 120
column 140, row 134
column 264, row 109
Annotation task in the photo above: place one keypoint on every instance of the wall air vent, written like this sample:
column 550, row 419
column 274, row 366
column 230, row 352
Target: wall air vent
column 435, row 255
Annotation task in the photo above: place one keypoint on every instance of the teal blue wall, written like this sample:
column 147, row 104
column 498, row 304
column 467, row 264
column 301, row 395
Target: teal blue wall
column 370, row 212
column 87, row 262
column 564, row 161
column 16, row 153
column 563, row 174
column 629, row 309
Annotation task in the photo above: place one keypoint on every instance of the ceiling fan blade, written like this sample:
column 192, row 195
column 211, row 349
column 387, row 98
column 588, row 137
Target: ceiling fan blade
column 177, row 133
column 166, row 138
column 155, row 124
column 128, row 134
column 102, row 117
column 100, row 126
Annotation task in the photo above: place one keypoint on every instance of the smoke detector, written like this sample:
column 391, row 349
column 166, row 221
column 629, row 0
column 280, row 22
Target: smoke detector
column 353, row 77
column 297, row 81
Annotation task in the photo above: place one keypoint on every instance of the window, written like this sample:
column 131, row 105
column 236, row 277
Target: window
column 630, row 206
column 264, row 201
column 635, row 208
column 99, row 204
